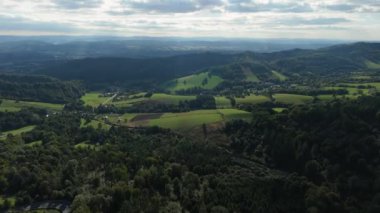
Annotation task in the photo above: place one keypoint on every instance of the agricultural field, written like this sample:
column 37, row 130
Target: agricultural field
column 170, row 99
column 332, row 97
column 95, row 124
column 353, row 91
column 372, row 84
column 34, row 143
column 292, row 98
column 249, row 75
column 372, row 65
column 156, row 97
column 184, row 120
column 10, row 200
column 85, row 145
column 128, row 102
column 252, row 99
column 94, row 99
column 279, row 76
column 202, row 80
column 279, row 109
column 7, row 105
column 222, row 102
column 17, row 131
column 361, row 77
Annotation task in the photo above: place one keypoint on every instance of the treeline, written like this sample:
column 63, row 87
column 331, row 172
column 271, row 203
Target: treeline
column 200, row 102
column 121, row 170
column 128, row 70
column 25, row 117
column 38, row 88
column 334, row 146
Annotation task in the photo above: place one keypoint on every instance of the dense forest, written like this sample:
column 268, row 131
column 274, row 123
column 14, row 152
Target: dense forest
column 38, row 88
column 129, row 72
column 126, row 70
column 321, row 157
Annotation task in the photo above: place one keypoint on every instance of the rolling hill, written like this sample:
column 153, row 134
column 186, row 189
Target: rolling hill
column 248, row 66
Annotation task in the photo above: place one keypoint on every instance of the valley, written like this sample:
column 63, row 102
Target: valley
column 114, row 134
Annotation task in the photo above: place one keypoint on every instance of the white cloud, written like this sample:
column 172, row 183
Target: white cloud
column 334, row 19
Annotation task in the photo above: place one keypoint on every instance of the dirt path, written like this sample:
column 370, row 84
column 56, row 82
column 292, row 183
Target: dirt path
column 109, row 99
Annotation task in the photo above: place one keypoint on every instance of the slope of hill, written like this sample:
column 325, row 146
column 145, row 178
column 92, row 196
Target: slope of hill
column 251, row 67
column 111, row 70
column 38, row 88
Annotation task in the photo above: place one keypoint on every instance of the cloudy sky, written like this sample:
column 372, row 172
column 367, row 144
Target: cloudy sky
column 326, row 19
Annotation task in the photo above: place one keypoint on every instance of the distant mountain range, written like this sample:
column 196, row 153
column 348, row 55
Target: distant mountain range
column 339, row 58
column 17, row 52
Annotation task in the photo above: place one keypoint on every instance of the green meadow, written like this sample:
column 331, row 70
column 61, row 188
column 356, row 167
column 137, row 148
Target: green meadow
column 249, row 75
column 292, row 98
column 202, row 80
column 7, row 105
column 94, row 99
column 170, row 99
column 252, row 99
column 279, row 109
column 222, row 102
column 95, row 124
column 279, row 76
column 17, row 131
column 372, row 65
column 34, row 143
column 183, row 120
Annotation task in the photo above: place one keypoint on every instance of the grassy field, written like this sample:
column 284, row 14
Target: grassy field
column 128, row 102
column 252, row 99
column 292, row 98
column 233, row 114
column 156, row 97
column 361, row 77
column 13, row 106
column 279, row 109
column 170, row 99
column 85, row 145
column 194, row 80
column 222, row 102
column 11, row 200
column 184, row 120
column 279, row 76
column 93, row 99
column 95, row 124
column 372, row 65
column 34, row 143
column 331, row 97
column 351, row 90
column 249, row 75
column 373, row 84
column 17, row 131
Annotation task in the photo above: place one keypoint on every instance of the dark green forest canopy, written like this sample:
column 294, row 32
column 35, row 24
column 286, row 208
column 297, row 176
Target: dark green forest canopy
column 315, row 158
column 38, row 88
column 125, row 71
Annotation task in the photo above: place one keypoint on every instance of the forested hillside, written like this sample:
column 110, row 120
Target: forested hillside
column 38, row 88
column 335, row 146
column 124, row 71
column 313, row 158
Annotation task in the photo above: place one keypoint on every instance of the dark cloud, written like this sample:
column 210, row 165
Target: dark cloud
column 21, row 24
column 77, row 4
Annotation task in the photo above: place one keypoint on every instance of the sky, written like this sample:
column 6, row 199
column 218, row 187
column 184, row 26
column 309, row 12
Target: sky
column 307, row 19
